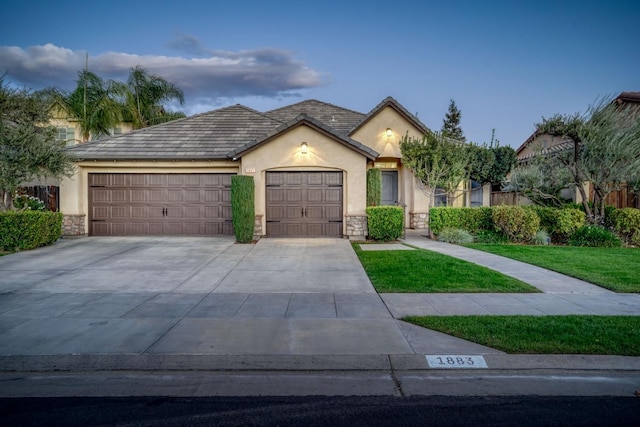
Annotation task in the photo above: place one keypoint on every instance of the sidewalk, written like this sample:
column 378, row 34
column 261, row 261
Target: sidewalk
column 561, row 294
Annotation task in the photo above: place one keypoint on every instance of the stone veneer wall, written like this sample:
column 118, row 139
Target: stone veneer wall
column 357, row 226
column 257, row 229
column 418, row 220
column 73, row 225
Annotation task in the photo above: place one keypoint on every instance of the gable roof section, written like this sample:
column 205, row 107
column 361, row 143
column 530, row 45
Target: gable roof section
column 302, row 120
column 392, row 103
column 341, row 120
column 204, row 136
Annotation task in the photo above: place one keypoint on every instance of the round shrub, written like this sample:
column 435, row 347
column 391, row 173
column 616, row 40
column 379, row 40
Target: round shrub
column 516, row 222
column 455, row 235
column 594, row 236
column 626, row 222
column 566, row 222
column 385, row 222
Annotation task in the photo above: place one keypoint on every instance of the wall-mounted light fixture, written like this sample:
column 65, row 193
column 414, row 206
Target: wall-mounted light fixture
column 389, row 133
column 304, row 148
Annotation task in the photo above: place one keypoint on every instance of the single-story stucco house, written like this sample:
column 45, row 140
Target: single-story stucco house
column 309, row 162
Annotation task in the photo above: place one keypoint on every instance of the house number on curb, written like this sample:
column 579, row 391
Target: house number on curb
column 456, row 361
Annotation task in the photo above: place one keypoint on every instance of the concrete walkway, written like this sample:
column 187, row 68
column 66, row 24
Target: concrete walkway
column 561, row 294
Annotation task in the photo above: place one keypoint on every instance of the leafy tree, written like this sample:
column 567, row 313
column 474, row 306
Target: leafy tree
column 451, row 123
column 28, row 149
column 93, row 103
column 437, row 162
column 541, row 180
column 604, row 150
column 144, row 95
column 490, row 163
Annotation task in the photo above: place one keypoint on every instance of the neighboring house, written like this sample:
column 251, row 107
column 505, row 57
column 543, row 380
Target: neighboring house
column 69, row 129
column 308, row 160
column 539, row 143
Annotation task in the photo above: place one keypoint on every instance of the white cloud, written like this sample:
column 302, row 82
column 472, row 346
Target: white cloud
column 206, row 76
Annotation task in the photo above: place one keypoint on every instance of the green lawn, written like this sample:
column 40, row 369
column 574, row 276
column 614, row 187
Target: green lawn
column 609, row 335
column 617, row 269
column 425, row 271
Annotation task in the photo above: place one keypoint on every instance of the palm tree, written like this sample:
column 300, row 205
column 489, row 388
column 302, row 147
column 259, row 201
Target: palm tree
column 144, row 96
column 93, row 103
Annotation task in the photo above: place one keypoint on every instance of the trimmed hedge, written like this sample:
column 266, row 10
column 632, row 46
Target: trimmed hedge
column 626, row 223
column 20, row 230
column 385, row 222
column 243, row 207
column 518, row 223
column 559, row 223
column 374, row 187
column 472, row 220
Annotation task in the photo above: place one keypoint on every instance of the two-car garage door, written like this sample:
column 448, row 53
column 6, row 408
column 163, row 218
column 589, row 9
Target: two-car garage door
column 122, row 204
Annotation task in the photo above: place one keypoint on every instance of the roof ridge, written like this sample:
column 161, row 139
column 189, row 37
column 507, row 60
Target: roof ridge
column 314, row 100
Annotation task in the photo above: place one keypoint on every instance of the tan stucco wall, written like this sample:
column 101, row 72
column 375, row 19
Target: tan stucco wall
column 374, row 134
column 74, row 191
column 324, row 153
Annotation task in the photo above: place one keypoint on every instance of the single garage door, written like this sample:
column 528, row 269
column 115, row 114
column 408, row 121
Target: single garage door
column 304, row 203
column 126, row 204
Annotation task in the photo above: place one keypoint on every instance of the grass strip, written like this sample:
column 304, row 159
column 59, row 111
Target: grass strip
column 422, row 271
column 616, row 269
column 575, row 334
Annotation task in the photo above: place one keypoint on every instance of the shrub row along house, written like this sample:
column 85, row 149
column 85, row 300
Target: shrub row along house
column 309, row 162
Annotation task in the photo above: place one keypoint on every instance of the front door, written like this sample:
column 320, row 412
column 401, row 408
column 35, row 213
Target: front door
column 389, row 187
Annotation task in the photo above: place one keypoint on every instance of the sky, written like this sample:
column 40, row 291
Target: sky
column 506, row 64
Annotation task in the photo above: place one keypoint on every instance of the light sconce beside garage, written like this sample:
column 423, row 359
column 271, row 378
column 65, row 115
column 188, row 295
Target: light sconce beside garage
column 389, row 133
column 304, row 148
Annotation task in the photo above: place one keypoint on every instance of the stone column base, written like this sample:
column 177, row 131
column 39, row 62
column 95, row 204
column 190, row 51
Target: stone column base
column 73, row 225
column 418, row 220
column 357, row 227
column 257, row 228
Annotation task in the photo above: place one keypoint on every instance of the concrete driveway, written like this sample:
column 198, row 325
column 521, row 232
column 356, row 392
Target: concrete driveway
column 179, row 295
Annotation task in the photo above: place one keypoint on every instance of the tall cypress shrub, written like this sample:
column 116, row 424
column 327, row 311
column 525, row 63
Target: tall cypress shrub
column 374, row 187
column 243, row 207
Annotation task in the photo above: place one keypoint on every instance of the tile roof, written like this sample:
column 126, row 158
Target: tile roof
column 340, row 119
column 228, row 132
column 209, row 135
column 312, row 122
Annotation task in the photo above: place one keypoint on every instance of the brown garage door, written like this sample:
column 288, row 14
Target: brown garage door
column 304, row 203
column 124, row 204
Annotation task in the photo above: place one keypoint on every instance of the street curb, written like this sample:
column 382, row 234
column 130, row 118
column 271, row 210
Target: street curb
column 377, row 362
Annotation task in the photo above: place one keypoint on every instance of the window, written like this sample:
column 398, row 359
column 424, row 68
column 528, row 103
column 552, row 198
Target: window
column 66, row 135
column 440, row 198
column 476, row 194
column 116, row 131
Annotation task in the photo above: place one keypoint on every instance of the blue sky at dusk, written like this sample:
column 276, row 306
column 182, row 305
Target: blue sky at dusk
column 506, row 63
